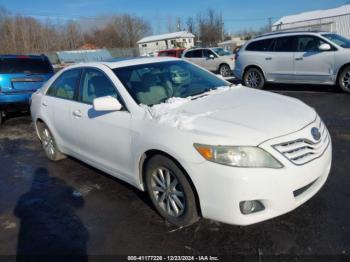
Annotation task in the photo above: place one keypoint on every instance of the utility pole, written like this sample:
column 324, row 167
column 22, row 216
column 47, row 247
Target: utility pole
column 270, row 24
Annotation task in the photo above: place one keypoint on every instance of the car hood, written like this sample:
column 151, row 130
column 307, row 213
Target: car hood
column 242, row 115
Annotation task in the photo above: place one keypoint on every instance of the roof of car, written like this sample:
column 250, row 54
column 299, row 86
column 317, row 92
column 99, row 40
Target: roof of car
column 172, row 49
column 284, row 33
column 13, row 56
column 124, row 62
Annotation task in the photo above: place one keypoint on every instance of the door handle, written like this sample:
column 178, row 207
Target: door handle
column 77, row 113
column 299, row 58
column 268, row 58
column 44, row 104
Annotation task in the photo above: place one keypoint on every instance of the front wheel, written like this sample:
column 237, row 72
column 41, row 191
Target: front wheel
column 170, row 191
column 48, row 143
column 254, row 78
column 344, row 79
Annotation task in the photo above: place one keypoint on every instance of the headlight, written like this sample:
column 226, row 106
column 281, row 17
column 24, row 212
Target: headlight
column 238, row 156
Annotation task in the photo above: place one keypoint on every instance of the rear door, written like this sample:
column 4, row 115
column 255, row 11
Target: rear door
column 24, row 74
column 195, row 56
column 279, row 60
column 311, row 64
column 57, row 105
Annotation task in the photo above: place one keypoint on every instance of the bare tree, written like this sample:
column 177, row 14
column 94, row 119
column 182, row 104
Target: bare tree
column 210, row 27
column 21, row 34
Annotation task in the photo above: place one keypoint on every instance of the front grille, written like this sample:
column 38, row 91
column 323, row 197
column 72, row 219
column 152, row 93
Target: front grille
column 303, row 150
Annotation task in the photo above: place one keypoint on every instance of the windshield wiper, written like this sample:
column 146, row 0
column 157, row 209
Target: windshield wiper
column 200, row 94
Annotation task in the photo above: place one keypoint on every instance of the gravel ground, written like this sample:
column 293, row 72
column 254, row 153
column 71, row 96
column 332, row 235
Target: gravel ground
column 71, row 208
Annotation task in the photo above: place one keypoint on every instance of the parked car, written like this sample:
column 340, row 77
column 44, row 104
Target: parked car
column 213, row 59
column 295, row 58
column 190, row 139
column 20, row 76
column 177, row 52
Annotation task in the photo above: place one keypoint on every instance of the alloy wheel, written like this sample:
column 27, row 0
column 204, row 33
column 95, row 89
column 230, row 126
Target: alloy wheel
column 168, row 192
column 253, row 79
column 225, row 71
column 48, row 143
column 346, row 80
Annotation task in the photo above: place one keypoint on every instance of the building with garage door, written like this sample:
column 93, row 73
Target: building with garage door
column 335, row 20
column 155, row 43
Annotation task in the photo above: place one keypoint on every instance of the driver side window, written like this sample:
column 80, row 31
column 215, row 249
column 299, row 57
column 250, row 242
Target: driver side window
column 309, row 43
column 95, row 84
column 208, row 52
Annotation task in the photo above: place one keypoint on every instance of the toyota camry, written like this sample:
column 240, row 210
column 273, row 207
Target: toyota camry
column 198, row 145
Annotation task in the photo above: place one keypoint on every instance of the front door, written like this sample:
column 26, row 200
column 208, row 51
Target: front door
column 104, row 137
column 311, row 64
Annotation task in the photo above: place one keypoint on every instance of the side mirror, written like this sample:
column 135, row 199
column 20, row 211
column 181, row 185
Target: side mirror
column 211, row 56
column 325, row 47
column 107, row 103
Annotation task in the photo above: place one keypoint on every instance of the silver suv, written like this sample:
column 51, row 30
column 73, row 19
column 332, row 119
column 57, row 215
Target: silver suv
column 295, row 57
column 214, row 59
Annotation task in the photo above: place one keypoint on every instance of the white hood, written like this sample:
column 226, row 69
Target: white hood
column 243, row 115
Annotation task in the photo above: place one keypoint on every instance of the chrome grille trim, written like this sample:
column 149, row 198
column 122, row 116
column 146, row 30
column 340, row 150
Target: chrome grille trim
column 304, row 150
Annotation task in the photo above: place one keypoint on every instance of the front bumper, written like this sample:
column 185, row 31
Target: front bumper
column 222, row 188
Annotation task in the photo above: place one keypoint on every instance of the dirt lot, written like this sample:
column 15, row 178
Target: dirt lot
column 73, row 208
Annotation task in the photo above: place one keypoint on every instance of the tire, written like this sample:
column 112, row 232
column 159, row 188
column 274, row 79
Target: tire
column 254, row 78
column 344, row 80
column 49, row 144
column 225, row 70
column 170, row 191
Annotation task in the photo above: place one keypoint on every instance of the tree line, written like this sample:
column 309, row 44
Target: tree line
column 25, row 34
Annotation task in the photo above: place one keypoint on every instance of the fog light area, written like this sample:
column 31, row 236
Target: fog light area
column 252, row 206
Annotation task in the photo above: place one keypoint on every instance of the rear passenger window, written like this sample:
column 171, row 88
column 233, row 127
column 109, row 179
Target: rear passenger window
column 284, row 44
column 261, row 45
column 197, row 54
column 65, row 85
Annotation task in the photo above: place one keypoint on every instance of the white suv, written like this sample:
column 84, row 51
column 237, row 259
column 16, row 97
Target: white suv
column 214, row 59
column 295, row 57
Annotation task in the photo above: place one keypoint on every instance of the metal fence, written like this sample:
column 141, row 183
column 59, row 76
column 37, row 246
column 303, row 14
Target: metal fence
column 78, row 56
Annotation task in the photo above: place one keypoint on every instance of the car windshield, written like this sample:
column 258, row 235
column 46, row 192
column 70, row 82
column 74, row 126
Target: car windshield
column 221, row 52
column 154, row 83
column 338, row 40
column 25, row 66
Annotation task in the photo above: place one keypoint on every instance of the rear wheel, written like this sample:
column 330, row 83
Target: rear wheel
column 170, row 191
column 344, row 79
column 254, row 78
column 49, row 144
column 225, row 70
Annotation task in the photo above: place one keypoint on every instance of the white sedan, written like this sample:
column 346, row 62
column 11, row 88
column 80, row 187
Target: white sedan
column 198, row 145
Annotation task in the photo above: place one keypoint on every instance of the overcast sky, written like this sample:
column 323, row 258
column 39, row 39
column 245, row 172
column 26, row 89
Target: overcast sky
column 237, row 15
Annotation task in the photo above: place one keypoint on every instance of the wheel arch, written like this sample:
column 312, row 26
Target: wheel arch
column 254, row 66
column 146, row 156
column 340, row 70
